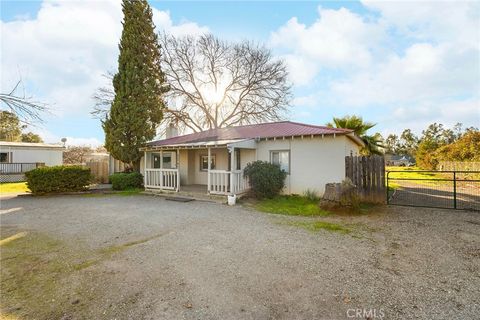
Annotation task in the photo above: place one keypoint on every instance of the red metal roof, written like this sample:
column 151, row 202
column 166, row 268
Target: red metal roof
column 263, row 130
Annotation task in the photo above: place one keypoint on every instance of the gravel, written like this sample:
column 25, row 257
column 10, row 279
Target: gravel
column 201, row 260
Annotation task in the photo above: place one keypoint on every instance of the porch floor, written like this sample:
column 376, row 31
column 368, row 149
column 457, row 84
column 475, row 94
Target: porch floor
column 194, row 188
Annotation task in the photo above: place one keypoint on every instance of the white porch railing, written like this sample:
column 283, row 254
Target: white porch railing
column 240, row 183
column 220, row 182
column 167, row 179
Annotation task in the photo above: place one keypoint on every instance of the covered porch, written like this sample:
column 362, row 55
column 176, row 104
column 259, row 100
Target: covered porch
column 214, row 167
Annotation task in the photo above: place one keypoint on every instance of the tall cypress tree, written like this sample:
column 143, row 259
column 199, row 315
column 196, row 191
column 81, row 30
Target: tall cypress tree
column 139, row 84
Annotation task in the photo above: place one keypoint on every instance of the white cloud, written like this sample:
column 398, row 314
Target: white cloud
column 413, row 64
column 457, row 21
column 62, row 52
column 338, row 39
column 164, row 23
column 448, row 113
column 50, row 137
column 423, row 73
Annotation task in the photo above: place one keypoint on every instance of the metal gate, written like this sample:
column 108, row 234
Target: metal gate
column 434, row 189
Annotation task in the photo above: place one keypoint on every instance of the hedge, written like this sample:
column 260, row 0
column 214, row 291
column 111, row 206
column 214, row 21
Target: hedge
column 58, row 179
column 124, row 181
column 266, row 179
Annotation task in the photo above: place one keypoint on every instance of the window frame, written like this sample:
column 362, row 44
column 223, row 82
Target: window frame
column 167, row 154
column 289, row 158
column 214, row 162
column 7, row 157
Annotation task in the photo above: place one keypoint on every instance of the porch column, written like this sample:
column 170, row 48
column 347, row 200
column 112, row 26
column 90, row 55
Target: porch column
column 177, row 165
column 208, row 168
column 161, row 167
column 232, row 162
column 145, row 168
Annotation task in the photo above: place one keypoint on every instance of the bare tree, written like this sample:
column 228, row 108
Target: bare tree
column 24, row 107
column 103, row 98
column 214, row 84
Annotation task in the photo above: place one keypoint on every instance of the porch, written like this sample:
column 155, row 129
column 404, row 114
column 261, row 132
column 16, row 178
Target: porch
column 206, row 168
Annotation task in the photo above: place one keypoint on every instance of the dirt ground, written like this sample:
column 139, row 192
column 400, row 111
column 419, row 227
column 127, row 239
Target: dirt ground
column 142, row 257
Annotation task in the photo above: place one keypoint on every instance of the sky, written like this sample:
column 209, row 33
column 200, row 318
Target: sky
column 398, row 64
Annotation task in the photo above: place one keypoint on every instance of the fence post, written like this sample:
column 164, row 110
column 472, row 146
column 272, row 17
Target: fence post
column 454, row 189
column 386, row 188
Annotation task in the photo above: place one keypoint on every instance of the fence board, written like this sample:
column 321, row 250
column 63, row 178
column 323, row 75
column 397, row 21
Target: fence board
column 368, row 175
column 99, row 170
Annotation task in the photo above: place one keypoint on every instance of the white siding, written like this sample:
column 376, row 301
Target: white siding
column 51, row 157
column 313, row 161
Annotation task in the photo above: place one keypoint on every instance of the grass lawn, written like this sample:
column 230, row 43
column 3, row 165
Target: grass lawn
column 406, row 173
column 14, row 187
column 291, row 205
column 127, row 192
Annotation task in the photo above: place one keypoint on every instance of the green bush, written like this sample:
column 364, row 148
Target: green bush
column 266, row 179
column 124, row 181
column 58, row 179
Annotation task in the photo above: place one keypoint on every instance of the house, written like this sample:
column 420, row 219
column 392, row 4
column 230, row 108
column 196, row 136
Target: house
column 398, row 160
column 18, row 157
column 212, row 161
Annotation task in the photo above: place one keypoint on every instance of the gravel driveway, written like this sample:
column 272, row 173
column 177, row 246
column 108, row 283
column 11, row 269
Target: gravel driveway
column 142, row 257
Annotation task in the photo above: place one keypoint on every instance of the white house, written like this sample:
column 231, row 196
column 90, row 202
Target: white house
column 18, row 157
column 212, row 161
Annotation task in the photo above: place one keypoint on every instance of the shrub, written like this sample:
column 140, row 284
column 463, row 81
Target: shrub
column 124, row 181
column 266, row 179
column 58, row 179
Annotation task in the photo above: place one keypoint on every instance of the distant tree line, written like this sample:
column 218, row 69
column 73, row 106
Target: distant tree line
column 11, row 129
column 436, row 143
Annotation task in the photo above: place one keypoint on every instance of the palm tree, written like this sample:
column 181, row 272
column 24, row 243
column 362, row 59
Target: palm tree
column 373, row 143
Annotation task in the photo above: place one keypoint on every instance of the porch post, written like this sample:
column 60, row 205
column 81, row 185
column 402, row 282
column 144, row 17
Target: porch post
column 208, row 169
column 232, row 162
column 161, row 167
column 177, row 165
column 145, row 168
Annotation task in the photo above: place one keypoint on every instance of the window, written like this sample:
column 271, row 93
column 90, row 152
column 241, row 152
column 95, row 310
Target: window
column 156, row 161
column 237, row 159
column 4, row 157
column 166, row 158
column 204, row 163
column 281, row 158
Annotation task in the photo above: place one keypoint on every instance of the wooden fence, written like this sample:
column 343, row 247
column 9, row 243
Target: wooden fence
column 368, row 175
column 458, row 166
column 99, row 170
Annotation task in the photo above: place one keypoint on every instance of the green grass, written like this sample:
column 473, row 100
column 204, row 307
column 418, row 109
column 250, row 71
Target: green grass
column 14, row 187
column 128, row 192
column 406, row 173
column 291, row 205
column 316, row 226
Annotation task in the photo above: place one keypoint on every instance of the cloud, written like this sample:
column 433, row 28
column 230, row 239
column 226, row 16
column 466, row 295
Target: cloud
column 338, row 39
column 62, row 52
column 164, row 23
column 448, row 113
column 50, row 137
column 407, row 63
column 456, row 21
column 423, row 73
